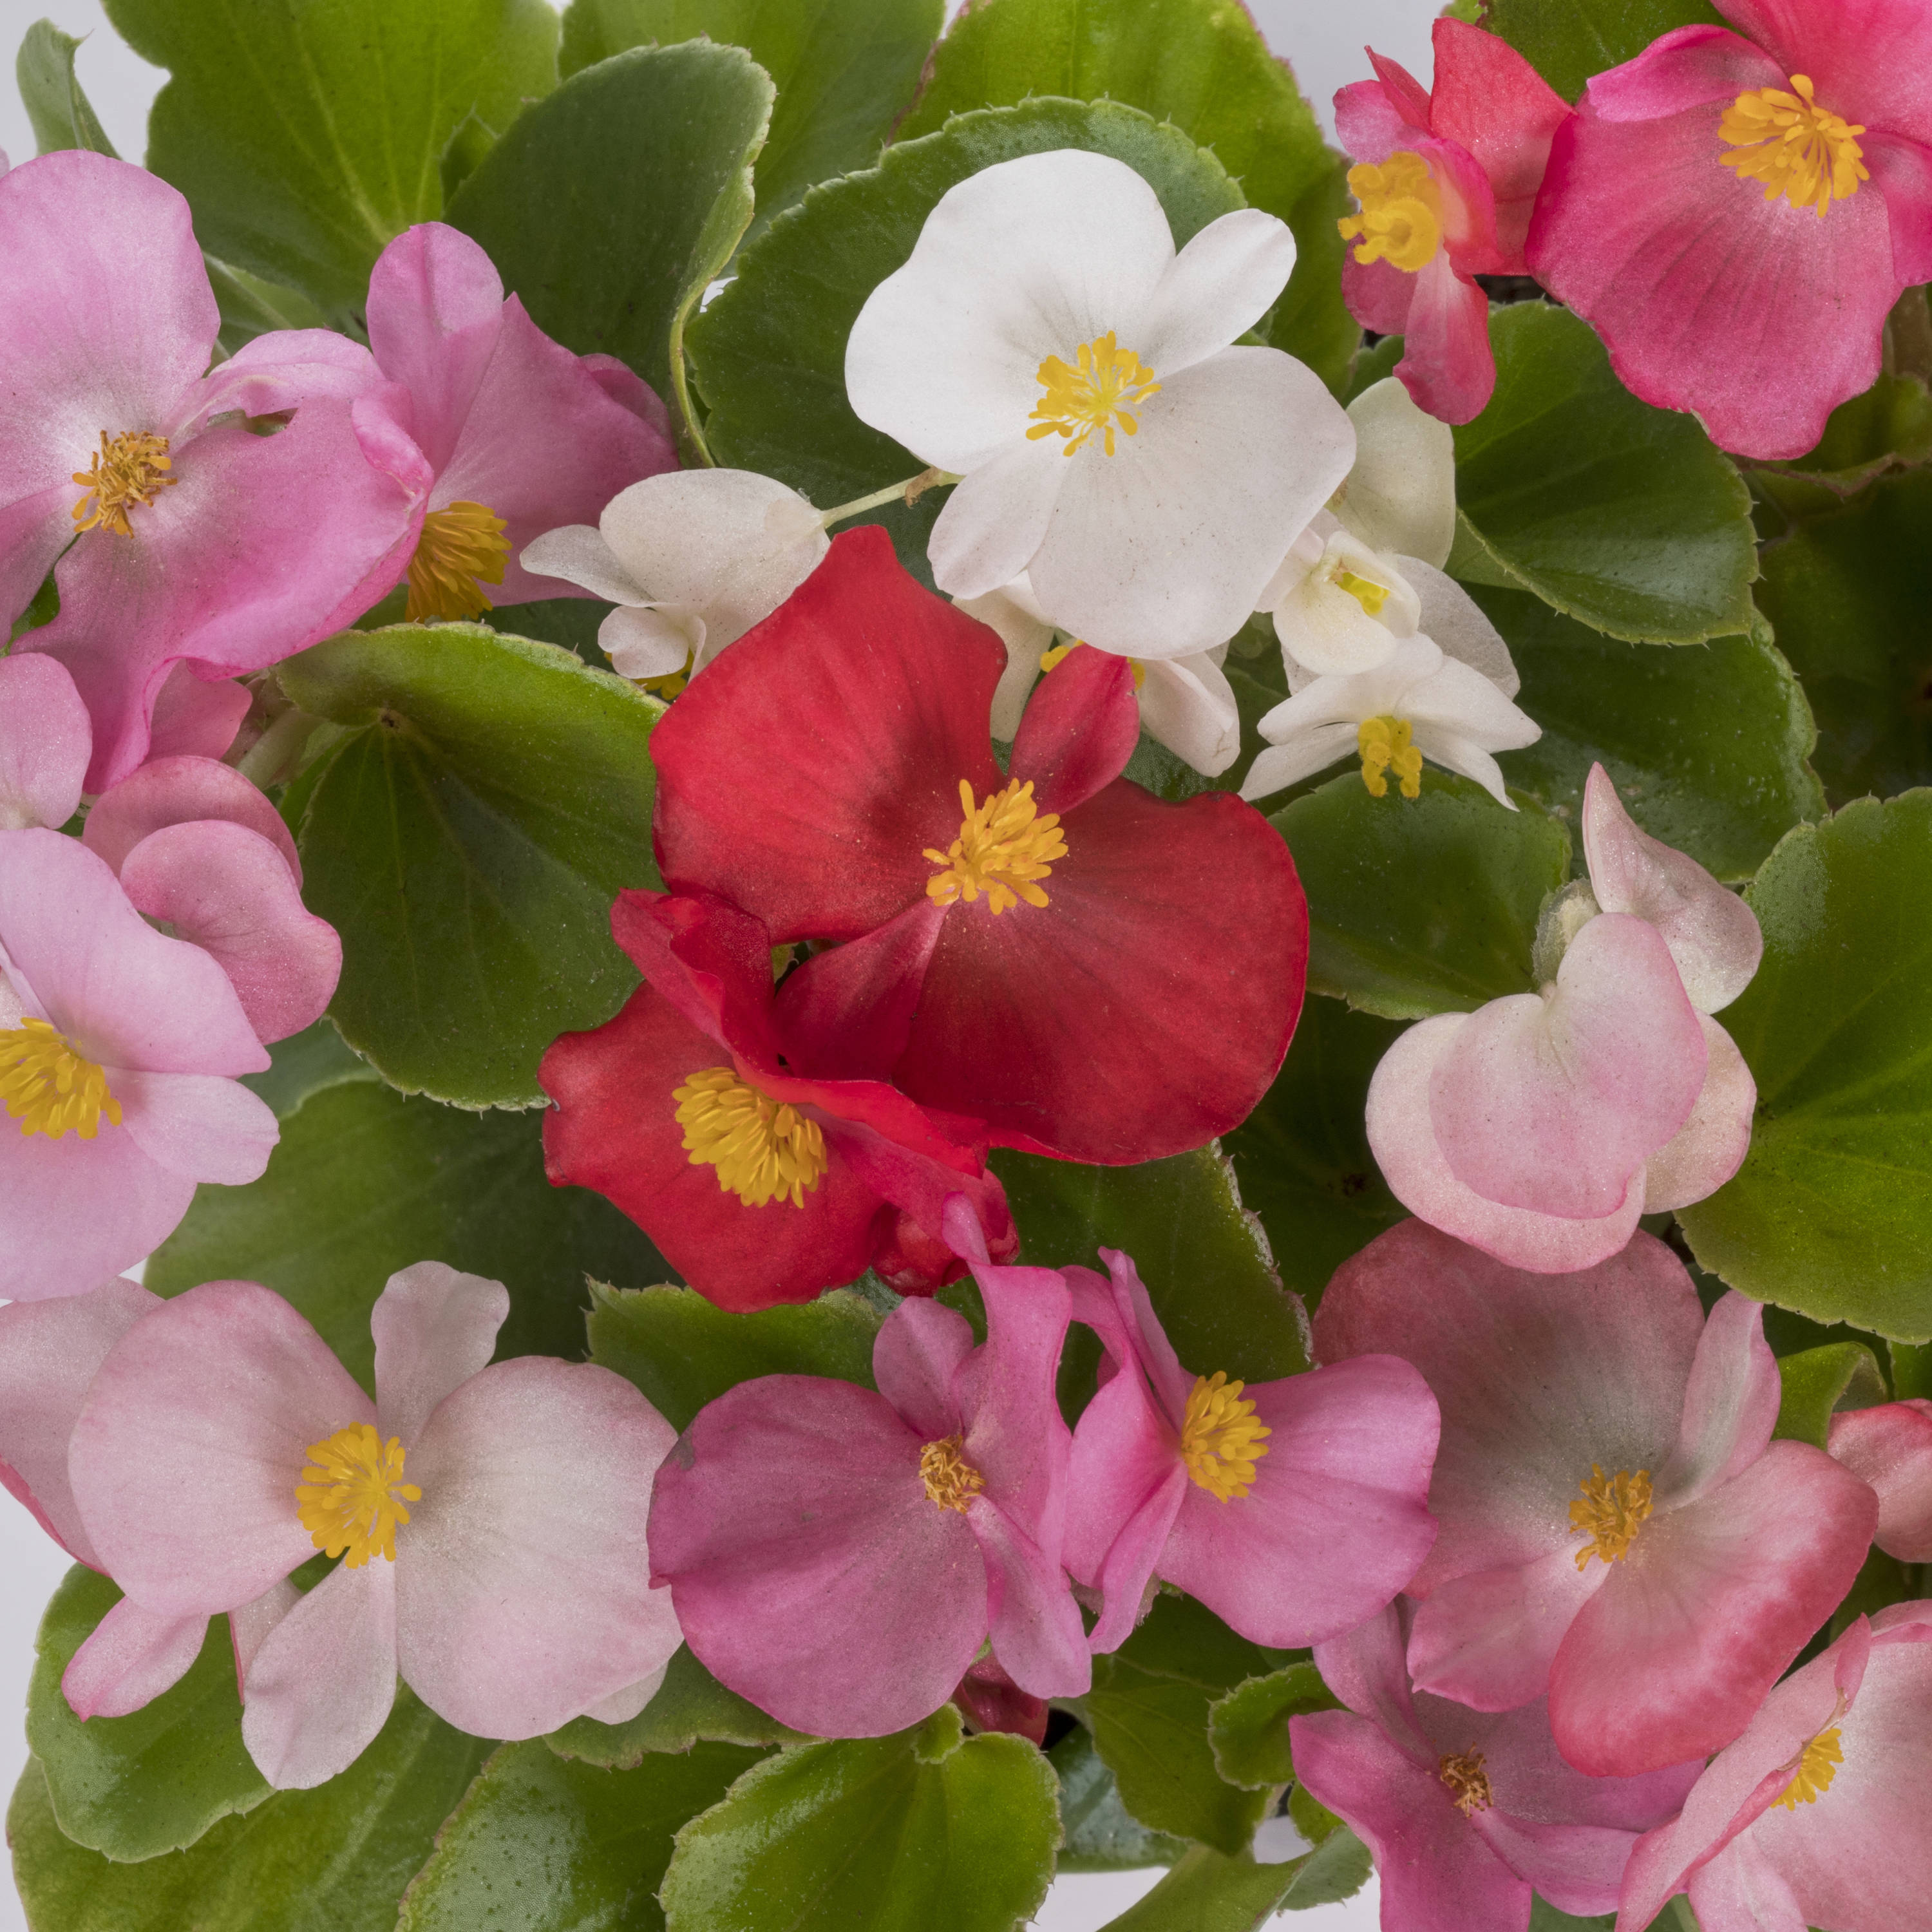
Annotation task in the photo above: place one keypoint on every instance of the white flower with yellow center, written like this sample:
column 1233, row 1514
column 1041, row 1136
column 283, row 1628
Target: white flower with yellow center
column 1400, row 495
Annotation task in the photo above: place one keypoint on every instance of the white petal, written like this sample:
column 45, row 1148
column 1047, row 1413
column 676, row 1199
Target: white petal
column 1026, row 638
column 621, row 1706
column 648, row 642
column 1304, row 554
column 1455, row 621
column 579, row 555
column 434, row 1328
column 1327, row 628
column 1460, row 700
column 1455, row 753
column 1384, row 691
column 994, row 520
column 1401, row 494
column 1298, row 758
column 1215, row 290
column 1188, row 704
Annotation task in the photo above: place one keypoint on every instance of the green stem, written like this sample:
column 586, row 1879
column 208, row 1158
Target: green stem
column 909, row 491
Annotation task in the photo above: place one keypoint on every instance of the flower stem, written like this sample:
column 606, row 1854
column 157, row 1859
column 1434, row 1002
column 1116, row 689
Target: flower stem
column 909, row 491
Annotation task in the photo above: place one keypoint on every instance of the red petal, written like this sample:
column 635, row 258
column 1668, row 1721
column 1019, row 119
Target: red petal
column 1079, row 730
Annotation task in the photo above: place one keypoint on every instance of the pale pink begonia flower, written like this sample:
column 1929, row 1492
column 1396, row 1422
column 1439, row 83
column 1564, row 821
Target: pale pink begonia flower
column 1293, row 1509
column 1890, row 1446
column 1619, row 1532
column 45, row 743
column 492, row 1515
column 195, row 717
column 1466, row 1810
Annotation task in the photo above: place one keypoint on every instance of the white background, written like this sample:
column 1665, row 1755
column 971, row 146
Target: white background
column 1325, row 42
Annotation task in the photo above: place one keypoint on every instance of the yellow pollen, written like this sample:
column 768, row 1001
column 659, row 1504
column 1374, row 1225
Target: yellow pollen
column 1003, row 846
column 352, row 1496
column 667, row 684
column 1220, row 1440
column 1075, row 402
column 132, row 468
column 1401, row 220
column 1383, row 743
column 764, row 1149
column 1817, row 1765
column 1795, row 148
column 1365, row 590
column 1465, row 1776
column 462, row 547
column 48, row 1087
column 1049, row 659
column 1609, row 1512
column 950, row 1481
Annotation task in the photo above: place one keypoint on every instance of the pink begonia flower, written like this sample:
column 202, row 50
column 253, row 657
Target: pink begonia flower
column 1292, row 1509
column 1890, row 1448
column 499, row 433
column 1815, row 1816
column 1465, row 1811
column 188, row 538
column 1618, row 1530
column 493, row 1514
column 839, row 1556
column 45, row 741
column 195, row 717
column 1734, row 215
column 1445, row 181
column 1542, row 1126
column 118, row 1050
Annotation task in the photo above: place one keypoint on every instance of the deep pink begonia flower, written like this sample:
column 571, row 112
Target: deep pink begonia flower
column 1890, row 1448
column 187, row 537
column 1465, row 1811
column 1735, row 212
column 1542, row 1126
column 1618, row 1530
column 838, row 1556
column 1292, row 1509
column 493, row 1514
column 1446, row 181
column 1815, row 1816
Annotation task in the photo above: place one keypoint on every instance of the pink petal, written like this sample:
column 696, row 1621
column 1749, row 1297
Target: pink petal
column 179, row 791
column 1489, row 1638
column 1578, row 1868
column 1448, row 365
column 1123, row 1451
column 130, row 1658
column 1902, row 172
column 1378, row 295
column 1364, row 1667
column 1036, row 1626
column 1711, row 1145
column 919, row 1347
column 1078, row 731
column 1739, row 1891
column 1730, row 1403
column 1873, row 53
column 1373, row 118
column 249, row 1626
column 195, row 718
column 198, row 1125
column 1690, row 67
column 1133, row 1308
column 44, row 740
column 1889, row 1448
column 281, row 371
column 434, row 1328
column 1132, row 1559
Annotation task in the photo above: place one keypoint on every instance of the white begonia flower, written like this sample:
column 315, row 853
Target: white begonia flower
column 1400, row 496
column 1339, row 606
column 692, row 558
column 1046, row 344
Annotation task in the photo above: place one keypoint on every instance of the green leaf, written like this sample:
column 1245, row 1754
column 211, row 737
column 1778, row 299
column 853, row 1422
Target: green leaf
column 336, row 1857
column 1567, row 41
column 901, row 1834
column 1887, row 427
column 307, row 137
column 366, row 1182
column 1419, row 906
column 611, row 206
column 60, row 113
column 1841, row 1375
column 306, row 1063
column 1201, row 64
column 1101, row 1834
column 539, row 1844
column 1181, row 1638
column 691, row 1707
column 1248, row 1728
column 1337, row 1868
column 467, row 841
column 1626, row 518
column 844, row 70
column 153, row 1781
column 1206, row 1892
column 1831, row 1213
column 250, row 307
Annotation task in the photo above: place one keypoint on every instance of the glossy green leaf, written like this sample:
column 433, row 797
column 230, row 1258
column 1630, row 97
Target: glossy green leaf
column 1425, row 905
column 1819, row 1382
column 1567, row 41
column 691, row 1707
column 1101, row 1834
column 540, row 1844
column 1181, row 1638
column 250, row 307
column 1831, row 1213
column 610, row 207
column 1248, row 1728
column 306, row 1063
column 60, row 113
column 1337, row 1868
column 366, row 1182
column 467, row 841
column 901, row 1833
column 333, row 1859
column 1206, row 1892
column 1626, row 518
column 1888, row 426
column 307, row 134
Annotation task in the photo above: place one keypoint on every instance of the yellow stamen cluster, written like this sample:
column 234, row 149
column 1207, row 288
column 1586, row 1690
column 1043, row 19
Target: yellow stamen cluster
column 352, row 1496
column 462, row 547
column 1795, row 148
column 1098, row 394
column 1401, row 220
column 131, row 468
column 48, row 1087
column 1609, row 1513
column 1469, row 1783
column 1049, row 660
column 764, row 1149
column 1817, row 1765
column 1365, row 590
column 1220, row 1440
column 1003, row 847
column 1385, row 745
column 950, row 1481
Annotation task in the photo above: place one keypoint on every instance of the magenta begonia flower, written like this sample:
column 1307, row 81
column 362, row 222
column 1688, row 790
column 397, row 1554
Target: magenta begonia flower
column 1542, row 1126
column 1815, row 1816
column 838, row 1556
column 1292, row 1509
column 1445, row 181
column 499, row 434
column 1736, row 214
column 1618, row 1530
column 492, row 1516
column 1890, row 1448
column 1465, row 1811
column 181, row 535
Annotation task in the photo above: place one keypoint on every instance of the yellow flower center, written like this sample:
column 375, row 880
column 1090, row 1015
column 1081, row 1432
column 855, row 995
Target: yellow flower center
column 1220, row 1440
column 1003, row 846
column 48, row 1087
column 1609, row 1513
column 950, row 1481
column 460, row 544
column 1049, row 659
column 352, row 1496
column 1383, row 743
column 1795, row 147
column 764, row 1149
column 1467, row 1781
column 131, row 468
column 1365, row 590
column 1817, row 1765
column 1095, row 395
column 1401, row 220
